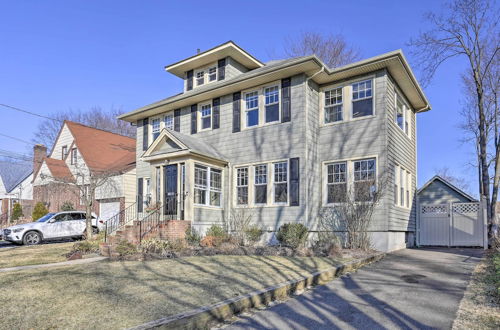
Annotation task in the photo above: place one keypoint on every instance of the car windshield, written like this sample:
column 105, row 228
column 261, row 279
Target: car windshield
column 45, row 217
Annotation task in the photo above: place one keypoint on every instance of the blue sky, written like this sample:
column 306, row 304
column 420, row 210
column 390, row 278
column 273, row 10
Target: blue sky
column 60, row 55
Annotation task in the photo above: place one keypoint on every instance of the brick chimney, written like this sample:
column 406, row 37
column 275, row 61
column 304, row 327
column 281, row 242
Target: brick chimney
column 39, row 153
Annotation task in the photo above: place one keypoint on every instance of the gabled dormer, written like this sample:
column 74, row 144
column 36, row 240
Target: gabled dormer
column 219, row 63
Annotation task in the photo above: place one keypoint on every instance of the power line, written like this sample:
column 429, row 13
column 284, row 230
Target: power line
column 17, row 139
column 29, row 112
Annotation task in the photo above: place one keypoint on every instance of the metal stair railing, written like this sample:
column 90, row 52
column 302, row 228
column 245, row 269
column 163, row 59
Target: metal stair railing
column 120, row 220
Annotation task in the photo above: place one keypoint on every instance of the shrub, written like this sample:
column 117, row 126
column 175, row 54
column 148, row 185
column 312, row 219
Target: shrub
column 39, row 211
column 212, row 241
column 192, row 236
column 292, row 235
column 86, row 247
column 253, row 234
column 124, row 248
column 216, row 231
column 154, row 245
column 178, row 244
column 17, row 211
column 67, row 206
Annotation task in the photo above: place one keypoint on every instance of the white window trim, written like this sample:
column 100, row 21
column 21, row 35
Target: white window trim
column 251, row 184
column 151, row 133
column 407, row 113
column 207, row 198
column 205, row 70
column 254, row 167
column 346, row 101
column 170, row 115
column 364, row 98
column 349, row 176
column 262, row 106
column 406, row 185
column 200, row 115
column 241, row 186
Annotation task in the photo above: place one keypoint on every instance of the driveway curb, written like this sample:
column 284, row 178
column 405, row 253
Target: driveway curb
column 201, row 318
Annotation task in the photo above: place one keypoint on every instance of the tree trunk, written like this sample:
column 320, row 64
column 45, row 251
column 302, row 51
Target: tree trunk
column 88, row 221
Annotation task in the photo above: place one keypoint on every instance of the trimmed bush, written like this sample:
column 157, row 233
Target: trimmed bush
column 292, row 235
column 253, row 234
column 192, row 236
column 216, row 231
column 154, row 245
column 86, row 247
column 212, row 241
column 67, row 206
column 17, row 211
column 39, row 211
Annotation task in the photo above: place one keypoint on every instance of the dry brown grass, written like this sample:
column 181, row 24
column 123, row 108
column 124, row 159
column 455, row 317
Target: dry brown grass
column 480, row 306
column 115, row 295
column 34, row 254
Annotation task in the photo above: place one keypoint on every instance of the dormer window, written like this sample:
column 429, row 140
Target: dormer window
column 200, row 78
column 64, row 152
column 212, row 74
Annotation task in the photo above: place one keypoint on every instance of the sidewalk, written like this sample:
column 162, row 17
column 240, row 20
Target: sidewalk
column 55, row 264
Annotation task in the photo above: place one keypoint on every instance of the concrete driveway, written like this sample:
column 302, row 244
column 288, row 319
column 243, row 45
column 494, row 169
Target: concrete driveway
column 408, row 289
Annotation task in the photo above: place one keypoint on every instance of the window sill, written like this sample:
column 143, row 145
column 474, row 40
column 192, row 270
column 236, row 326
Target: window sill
column 255, row 206
column 262, row 125
column 403, row 207
column 345, row 121
column 211, row 207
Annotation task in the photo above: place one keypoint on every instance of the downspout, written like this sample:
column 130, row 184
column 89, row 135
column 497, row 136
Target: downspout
column 307, row 206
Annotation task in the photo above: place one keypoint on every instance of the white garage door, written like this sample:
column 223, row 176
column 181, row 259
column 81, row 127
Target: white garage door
column 108, row 209
column 456, row 224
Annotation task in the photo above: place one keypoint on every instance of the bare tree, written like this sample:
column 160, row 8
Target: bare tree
column 457, row 181
column 84, row 184
column 350, row 216
column 332, row 49
column 96, row 117
column 469, row 29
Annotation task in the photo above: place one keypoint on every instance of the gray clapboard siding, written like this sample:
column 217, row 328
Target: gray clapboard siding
column 439, row 193
column 233, row 68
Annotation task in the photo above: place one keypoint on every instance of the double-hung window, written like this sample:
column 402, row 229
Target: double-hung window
column 402, row 187
column 252, row 108
column 402, row 181
column 212, row 74
column 207, row 186
column 260, row 184
column 155, row 128
column 74, row 156
column 272, row 105
column 333, row 105
column 364, row 179
column 200, row 184
column 64, row 152
column 400, row 113
column 242, row 186
column 206, row 116
column 200, row 78
column 336, row 185
column 169, row 121
column 281, row 182
column 158, row 184
column 362, row 99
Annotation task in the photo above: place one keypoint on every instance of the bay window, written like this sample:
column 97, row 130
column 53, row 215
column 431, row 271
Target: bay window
column 242, row 186
column 362, row 99
column 281, row 182
column 336, row 190
column 252, row 108
column 272, row 105
column 333, row 105
column 260, row 184
column 200, row 184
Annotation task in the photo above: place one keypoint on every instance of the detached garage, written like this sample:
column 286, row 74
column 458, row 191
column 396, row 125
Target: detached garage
column 448, row 216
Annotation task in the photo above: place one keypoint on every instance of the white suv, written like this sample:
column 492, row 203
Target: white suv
column 70, row 224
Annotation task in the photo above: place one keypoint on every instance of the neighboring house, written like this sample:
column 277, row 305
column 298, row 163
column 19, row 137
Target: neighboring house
column 78, row 151
column 15, row 187
column 282, row 140
column 448, row 216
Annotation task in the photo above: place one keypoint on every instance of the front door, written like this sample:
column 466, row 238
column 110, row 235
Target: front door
column 170, row 200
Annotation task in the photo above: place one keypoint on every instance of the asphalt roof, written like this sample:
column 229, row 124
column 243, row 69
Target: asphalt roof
column 12, row 173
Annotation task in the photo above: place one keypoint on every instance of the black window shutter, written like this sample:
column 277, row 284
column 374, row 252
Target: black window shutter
column 177, row 120
column 145, row 134
column 216, row 113
column 140, row 182
column 194, row 118
column 285, row 100
column 189, row 79
column 221, row 71
column 294, row 181
column 236, row 112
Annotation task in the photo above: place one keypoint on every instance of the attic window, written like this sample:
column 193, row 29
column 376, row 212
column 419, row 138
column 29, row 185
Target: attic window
column 212, row 74
column 64, row 152
column 74, row 156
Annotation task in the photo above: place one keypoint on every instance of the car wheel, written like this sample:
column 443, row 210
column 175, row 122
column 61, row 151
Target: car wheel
column 32, row 238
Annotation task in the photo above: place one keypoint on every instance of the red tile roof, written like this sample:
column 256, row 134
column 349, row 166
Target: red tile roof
column 103, row 151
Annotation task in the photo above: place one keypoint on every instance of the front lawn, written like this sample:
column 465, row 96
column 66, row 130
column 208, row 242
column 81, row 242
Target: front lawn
column 480, row 307
column 115, row 295
column 34, row 254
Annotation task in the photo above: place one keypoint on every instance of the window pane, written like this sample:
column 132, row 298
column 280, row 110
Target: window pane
column 261, row 174
column 206, row 116
column 242, row 198
column 252, row 118
column 242, row 186
column 169, row 121
column 205, row 122
column 200, row 196
column 215, row 198
column 271, row 95
column 252, row 100
column 337, row 193
column 272, row 112
column 261, row 194
column 280, row 193
column 333, row 114
column 362, row 108
column 212, row 74
column 364, row 179
column 280, row 182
